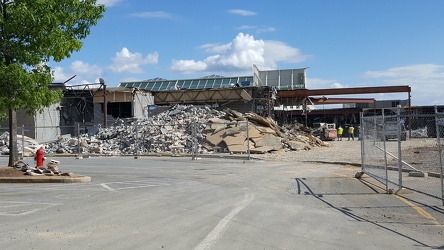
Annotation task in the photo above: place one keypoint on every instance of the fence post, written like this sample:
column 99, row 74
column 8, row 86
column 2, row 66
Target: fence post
column 362, row 132
column 194, row 142
column 438, row 141
column 248, row 142
column 23, row 142
column 398, row 120
column 385, row 152
column 137, row 141
column 79, row 154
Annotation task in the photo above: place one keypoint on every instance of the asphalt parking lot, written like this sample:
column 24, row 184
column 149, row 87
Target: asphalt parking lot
column 214, row 203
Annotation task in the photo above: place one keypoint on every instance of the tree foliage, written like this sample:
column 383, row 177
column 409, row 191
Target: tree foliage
column 33, row 32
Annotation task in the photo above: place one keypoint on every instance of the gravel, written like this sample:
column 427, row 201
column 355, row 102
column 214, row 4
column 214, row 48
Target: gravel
column 419, row 153
column 347, row 152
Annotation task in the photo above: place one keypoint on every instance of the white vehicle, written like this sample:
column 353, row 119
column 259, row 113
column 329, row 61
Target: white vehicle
column 325, row 131
column 391, row 131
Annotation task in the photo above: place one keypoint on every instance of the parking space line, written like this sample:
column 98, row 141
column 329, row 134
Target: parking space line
column 418, row 209
column 217, row 232
column 107, row 187
column 123, row 185
column 24, row 208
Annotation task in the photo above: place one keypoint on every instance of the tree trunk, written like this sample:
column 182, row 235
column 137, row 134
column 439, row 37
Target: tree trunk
column 13, row 150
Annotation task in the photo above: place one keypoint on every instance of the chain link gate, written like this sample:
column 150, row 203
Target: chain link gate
column 404, row 151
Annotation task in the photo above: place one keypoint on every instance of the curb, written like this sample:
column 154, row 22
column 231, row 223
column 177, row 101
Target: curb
column 46, row 179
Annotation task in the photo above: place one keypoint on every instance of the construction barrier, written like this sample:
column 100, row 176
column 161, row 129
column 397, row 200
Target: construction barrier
column 404, row 151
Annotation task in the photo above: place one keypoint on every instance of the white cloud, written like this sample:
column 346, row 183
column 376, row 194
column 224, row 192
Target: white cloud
column 316, row 83
column 215, row 48
column 77, row 73
column 256, row 28
column 83, row 68
column 109, row 3
column 189, row 66
column 131, row 79
column 71, row 78
column 265, row 30
column 242, row 12
column 245, row 51
column 246, row 27
column 424, row 79
column 239, row 55
column 411, row 71
column 59, row 74
column 276, row 51
column 125, row 61
column 86, row 82
column 153, row 14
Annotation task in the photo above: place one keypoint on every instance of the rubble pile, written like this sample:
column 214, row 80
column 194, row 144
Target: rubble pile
column 25, row 143
column 168, row 132
column 189, row 129
column 52, row 169
column 264, row 134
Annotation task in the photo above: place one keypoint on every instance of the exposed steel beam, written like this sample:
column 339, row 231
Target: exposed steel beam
column 323, row 100
column 324, row 112
column 342, row 91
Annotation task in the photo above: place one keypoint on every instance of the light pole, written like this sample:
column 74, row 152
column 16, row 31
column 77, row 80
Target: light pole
column 102, row 82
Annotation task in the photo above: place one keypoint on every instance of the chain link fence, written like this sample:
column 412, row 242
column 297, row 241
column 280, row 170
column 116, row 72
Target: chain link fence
column 404, row 151
column 194, row 139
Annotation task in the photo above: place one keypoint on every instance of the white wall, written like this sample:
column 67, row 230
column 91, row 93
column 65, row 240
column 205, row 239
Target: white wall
column 47, row 124
column 140, row 104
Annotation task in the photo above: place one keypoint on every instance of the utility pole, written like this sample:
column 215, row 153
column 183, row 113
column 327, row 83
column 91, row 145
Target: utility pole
column 102, row 82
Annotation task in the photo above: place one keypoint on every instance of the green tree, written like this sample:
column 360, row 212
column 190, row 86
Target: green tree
column 33, row 32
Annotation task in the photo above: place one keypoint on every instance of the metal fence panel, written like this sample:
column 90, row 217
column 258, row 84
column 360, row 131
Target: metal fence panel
column 375, row 158
column 404, row 151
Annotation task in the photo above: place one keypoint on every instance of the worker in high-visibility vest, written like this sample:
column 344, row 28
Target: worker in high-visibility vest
column 340, row 130
column 351, row 131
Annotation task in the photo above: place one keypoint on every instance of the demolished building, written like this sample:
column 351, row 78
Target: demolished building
column 186, row 129
column 91, row 108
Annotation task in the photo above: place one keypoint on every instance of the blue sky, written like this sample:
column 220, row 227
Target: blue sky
column 343, row 43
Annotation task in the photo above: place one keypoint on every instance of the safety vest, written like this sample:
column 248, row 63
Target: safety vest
column 340, row 129
column 351, row 130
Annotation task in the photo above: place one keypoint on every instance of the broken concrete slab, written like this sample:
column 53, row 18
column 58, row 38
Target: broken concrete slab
column 253, row 132
column 234, row 140
column 238, row 148
column 267, row 130
column 298, row 145
column 270, row 140
column 261, row 149
column 215, row 138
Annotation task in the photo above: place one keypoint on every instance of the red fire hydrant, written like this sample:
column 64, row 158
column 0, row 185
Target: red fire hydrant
column 39, row 158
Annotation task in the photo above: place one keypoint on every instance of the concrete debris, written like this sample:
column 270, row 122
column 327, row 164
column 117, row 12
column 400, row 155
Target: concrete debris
column 420, row 133
column 186, row 129
column 168, row 132
column 52, row 168
column 26, row 144
column 53, row 165
column 264, row 134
